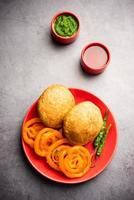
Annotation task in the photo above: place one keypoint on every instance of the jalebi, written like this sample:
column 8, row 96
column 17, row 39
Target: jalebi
column 30, row 129
column 45, row 138
column 75, row 162
column 54, row 152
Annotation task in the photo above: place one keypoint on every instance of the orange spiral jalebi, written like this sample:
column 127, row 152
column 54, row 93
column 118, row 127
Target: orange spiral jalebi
column 45, row 138
column 54, row 152
column 75, row 162
column 30, row 129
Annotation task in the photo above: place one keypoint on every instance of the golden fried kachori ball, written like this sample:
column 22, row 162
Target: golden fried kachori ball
column 83, row 123
column 55, row 102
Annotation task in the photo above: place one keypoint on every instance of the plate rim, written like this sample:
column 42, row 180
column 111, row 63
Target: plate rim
column 72, row 181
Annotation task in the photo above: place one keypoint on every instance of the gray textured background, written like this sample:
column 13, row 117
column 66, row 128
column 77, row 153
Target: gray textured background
column 30, row 61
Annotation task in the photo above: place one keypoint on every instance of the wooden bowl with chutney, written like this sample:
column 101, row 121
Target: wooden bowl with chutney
column 95, row 57
column 65, row 27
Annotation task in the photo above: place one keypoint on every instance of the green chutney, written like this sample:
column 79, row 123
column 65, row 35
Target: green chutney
column 66, row 25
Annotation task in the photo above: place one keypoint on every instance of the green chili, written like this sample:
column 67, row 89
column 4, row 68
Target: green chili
column 99, row 141
column 102, row 131
column 102, row 142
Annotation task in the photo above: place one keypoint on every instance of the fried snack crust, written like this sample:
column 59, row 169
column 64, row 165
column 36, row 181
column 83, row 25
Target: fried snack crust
column 55, row 102
column 82, row 123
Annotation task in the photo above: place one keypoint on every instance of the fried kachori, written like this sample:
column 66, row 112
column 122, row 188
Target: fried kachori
column 54, row 103
column 83, row 123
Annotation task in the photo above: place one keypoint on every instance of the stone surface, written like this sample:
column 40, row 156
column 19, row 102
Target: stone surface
column 30, row 61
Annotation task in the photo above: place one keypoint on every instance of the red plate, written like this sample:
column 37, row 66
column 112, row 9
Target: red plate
column 101, row 163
